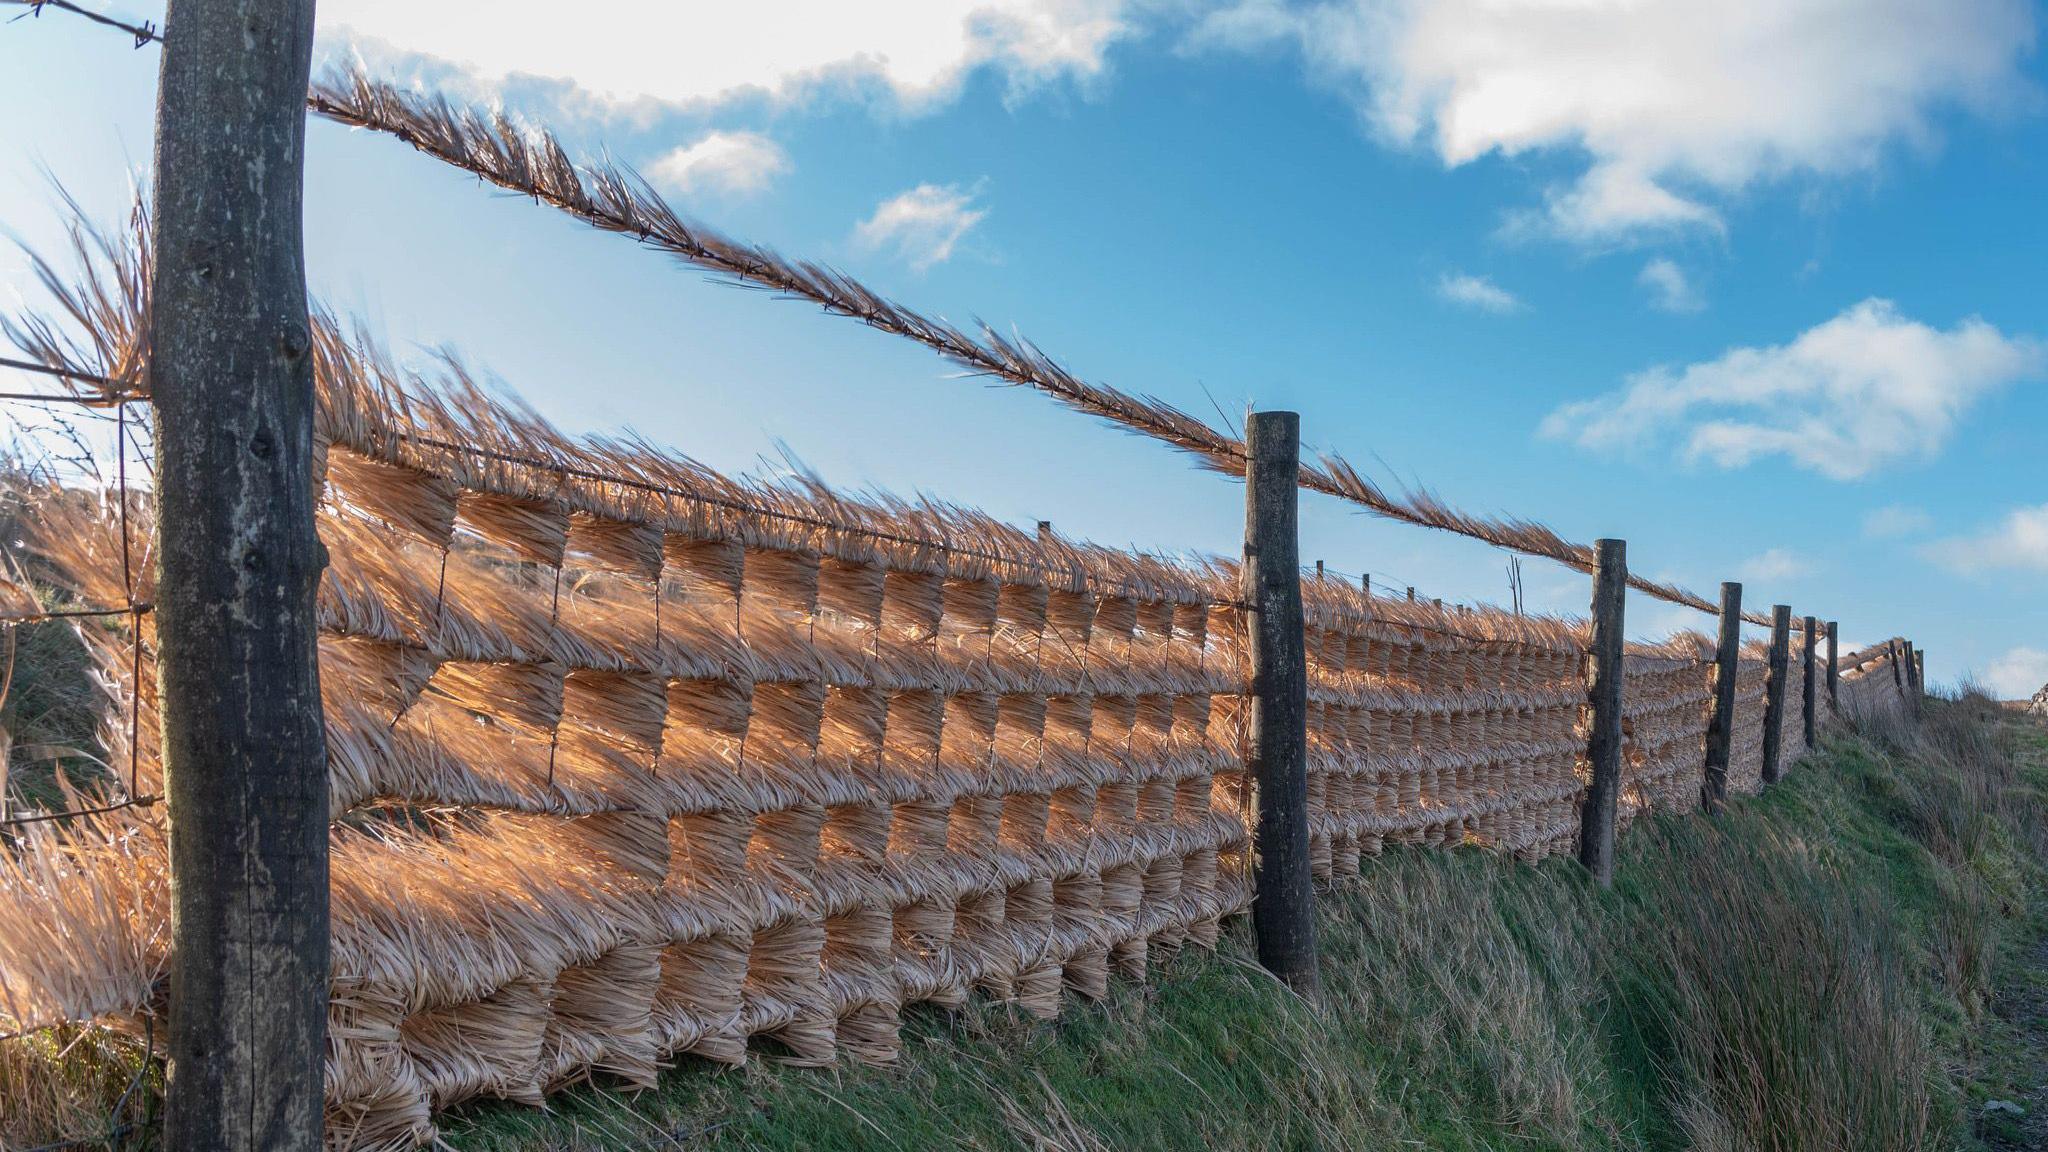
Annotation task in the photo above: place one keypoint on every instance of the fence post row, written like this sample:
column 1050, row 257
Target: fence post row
column 1834, row 671
column 1721, row 713
column 1603, row 693
column 1806, row 685
column 1774, row 689
column 1283, row 917
column 243, row 746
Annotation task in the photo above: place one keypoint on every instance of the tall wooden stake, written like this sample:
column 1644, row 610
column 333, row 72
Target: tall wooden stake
column 1891, row 651
column 244, row 751
column 1603, row 692
column 1283, row 916
column 1834, row 669
column 1721, row 714
column 1806, row 684
column 1774, row 690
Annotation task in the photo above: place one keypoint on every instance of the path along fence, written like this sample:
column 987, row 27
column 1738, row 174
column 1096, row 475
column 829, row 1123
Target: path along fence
column 628, row 758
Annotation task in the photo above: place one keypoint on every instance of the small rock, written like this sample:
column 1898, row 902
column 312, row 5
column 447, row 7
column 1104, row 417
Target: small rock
column 2003, row 1107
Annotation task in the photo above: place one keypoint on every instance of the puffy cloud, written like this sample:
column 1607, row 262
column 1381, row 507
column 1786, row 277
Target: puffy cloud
column 1895, row 520
column 736, row 163
column 2019, row 541
column 2017, row 674
column 1670, row 290
column 1476, row 292
column 920, row 226
column 911, row 54
column 1775, row 564
column 1671, row 103
column 1842, row 399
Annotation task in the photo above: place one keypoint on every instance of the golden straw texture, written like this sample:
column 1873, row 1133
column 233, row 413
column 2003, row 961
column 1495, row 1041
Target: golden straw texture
column 628, row 758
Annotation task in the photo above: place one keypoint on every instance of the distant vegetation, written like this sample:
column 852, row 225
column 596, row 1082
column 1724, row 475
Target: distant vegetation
column 1815, row 970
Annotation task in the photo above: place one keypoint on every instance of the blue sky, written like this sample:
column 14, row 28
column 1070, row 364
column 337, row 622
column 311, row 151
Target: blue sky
column 1755, row 287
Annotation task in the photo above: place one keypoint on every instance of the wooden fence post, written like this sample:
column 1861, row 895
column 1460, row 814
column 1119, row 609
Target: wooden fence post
column 1806, row 685
column 1283, row 915
column 1834, row 669
column 1774, row 690
column 244, row 749
column 1603, row 692
column 1721, row 715
column 1891, row 652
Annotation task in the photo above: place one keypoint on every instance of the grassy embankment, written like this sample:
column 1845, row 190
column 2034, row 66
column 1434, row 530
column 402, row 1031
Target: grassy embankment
column 1818, row 969
column 1857, row 961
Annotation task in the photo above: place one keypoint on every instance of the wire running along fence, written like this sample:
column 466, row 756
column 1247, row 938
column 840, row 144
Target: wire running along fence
column 629, row 758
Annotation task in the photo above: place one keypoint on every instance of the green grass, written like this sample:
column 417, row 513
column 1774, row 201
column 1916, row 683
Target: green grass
column 1814, row 970
column 1855, row 962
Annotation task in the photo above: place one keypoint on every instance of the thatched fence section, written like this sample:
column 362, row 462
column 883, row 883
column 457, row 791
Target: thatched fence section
column 629, row 759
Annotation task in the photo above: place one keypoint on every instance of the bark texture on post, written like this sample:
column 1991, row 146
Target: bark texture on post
column 1721, row 714
column 244, row 753
column 1806, row 685
column 1283, row 916
column 1603, row 693
column 1891, row 651
column 1834, row 668
column 1774, row 690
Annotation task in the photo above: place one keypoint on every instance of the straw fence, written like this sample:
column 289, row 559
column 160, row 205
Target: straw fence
column 630, row 759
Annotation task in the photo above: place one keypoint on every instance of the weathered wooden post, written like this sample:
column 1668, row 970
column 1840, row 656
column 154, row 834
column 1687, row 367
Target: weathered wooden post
column 1365, row 583
column 1891, row 652
column 244, row 750
column 1774, row 689
column 1806, row 685
column 1603, row 693
column 1721, row 714
column 1834, row 670
column 1283, row 916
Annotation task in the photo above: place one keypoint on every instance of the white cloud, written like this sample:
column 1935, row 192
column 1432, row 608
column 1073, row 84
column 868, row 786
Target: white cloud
column 1672, row 104
column 1670, row 290
column 1895, row 520
column 920, row 226
column 1842, row 399
column 2016, row 675
column 911, row 54
column 1476, row 292
column 2020, row 541
column 736, row 163
column 1775, row 564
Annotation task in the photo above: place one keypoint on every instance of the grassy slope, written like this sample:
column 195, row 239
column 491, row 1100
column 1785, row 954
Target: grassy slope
column 1813, row 971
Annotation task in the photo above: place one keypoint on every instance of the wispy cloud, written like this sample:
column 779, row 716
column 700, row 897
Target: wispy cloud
column 1775, row 564
column 2017, row 674
column 735, row 163
column 1843, row 399
column 1895, row 520
column 1672, row 112
column 921, row 226
column 1477, row 292
column 1670, row 290
column 2018, row 542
